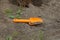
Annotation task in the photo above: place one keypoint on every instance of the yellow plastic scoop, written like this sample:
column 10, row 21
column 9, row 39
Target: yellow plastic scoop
column 31, row 21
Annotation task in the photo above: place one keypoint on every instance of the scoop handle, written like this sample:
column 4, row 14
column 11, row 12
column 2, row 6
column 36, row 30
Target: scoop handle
column 21, row 20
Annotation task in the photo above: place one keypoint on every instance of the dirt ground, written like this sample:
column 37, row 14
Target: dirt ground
column 49, row 11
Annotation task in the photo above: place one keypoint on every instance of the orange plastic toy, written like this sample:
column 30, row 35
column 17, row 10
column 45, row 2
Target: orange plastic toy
column 31, row 21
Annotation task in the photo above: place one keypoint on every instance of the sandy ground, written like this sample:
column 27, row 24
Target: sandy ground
column 49, row 11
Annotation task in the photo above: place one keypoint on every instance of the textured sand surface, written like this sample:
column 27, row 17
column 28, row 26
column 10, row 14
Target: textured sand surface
column 49, row 11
